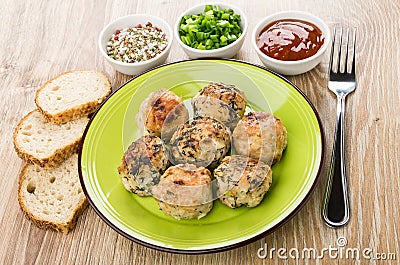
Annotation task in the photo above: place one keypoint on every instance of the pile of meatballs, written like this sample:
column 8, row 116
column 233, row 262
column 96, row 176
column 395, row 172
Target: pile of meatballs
column 186, row 162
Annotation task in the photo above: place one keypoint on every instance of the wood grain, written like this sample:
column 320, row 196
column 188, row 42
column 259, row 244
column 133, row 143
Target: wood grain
column 42, row 39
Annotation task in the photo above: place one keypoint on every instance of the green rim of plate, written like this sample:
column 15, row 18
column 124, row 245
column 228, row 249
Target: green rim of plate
column 139, row 219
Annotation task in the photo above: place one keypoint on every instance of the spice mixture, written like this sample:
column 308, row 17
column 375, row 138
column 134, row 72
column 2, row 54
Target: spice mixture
column 136, row 44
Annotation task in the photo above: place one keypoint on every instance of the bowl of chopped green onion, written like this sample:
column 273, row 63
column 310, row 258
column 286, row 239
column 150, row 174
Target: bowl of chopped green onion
column 211, row 30
column 135, row 43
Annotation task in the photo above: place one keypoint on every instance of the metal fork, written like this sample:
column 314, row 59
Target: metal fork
column 342, row 81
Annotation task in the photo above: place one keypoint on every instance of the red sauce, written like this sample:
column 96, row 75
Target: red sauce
column 290, row 39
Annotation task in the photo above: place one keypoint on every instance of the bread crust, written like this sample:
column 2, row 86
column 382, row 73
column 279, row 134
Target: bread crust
column 56, row 158
column 60, row 155
column 78, row 111
column 64, row 227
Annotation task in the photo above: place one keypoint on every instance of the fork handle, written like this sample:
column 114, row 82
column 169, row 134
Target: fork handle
column 336, row 207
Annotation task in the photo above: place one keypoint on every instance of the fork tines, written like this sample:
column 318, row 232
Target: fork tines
column 341, row 65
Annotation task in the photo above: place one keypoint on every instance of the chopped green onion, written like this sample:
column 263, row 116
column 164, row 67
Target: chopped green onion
column 223, row 39
column 212, row 29
column 200, row 35
column 201, row 47
column 208, row 8
column 232, row 38
column 223, row 23
column 214, row 38
column 225, row 16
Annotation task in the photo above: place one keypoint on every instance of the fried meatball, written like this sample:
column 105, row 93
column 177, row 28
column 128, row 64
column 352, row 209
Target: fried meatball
column 142, row 165
column 203, row 141
column 260, row 135
column 161, row 114
column 184, row 192
column 225, row 103
column 242, row 180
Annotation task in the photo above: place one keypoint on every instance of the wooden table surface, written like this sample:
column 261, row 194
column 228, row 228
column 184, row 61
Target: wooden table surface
column 40, row 39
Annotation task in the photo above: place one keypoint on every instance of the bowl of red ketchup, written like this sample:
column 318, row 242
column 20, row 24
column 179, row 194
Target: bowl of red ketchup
column 291, row 42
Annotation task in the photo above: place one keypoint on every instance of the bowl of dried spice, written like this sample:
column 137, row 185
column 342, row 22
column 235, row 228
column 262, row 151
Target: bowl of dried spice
column 135, row 43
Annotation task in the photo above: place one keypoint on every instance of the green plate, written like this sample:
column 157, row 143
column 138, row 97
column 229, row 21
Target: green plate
column 113, row 128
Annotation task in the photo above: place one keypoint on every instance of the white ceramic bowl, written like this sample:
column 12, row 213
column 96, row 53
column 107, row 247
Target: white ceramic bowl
column 224, row 52
column 131, row 21
column 292, row 67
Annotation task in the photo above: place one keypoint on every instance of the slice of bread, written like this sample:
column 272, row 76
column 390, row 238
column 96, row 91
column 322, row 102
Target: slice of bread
column 72, row 95
column 52, row 198
column 40, row 142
